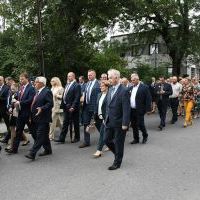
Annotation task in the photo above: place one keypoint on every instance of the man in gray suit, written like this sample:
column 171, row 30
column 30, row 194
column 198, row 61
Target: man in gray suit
column 117, row 117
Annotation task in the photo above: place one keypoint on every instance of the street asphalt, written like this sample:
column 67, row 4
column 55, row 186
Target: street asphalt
column 166, row 168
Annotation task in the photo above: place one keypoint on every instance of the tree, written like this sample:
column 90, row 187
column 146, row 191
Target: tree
column 70, row 30
column 173, row 20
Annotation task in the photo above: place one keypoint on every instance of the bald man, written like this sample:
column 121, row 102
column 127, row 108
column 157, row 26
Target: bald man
column 71, row 105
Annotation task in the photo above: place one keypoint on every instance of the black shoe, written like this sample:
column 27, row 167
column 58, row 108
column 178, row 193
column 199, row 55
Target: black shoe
column 134, row 142
column 144, row 141
column 30, row 156
column 4, row 141
column 84, row 145
column 45, row 153
column 59, row 141
column 75, row 140
column 11, row 151
column 160, row 127
column 113, row 167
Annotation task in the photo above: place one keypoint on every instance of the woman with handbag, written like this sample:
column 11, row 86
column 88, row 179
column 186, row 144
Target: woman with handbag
column 100, row 115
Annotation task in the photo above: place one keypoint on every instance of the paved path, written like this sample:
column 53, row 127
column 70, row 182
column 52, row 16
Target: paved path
column 167, row 168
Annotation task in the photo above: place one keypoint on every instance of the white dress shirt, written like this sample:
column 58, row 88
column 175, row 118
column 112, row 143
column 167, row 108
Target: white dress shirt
column 100, row 105
column 176, row 88
column 133, row 96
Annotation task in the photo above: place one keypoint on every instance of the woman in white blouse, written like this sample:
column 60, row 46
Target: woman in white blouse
column 57, row 91
column 100, row 116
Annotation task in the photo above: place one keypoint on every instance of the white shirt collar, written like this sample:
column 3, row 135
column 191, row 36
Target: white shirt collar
column 136, row 85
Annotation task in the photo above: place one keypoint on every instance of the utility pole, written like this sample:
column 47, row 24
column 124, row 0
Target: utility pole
column 40, row 39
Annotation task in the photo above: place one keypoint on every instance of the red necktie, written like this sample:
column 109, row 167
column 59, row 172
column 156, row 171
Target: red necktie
column 21, row 92
column 34, row 99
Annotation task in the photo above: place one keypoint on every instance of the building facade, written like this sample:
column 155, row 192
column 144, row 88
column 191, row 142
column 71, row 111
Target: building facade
column 154, row 53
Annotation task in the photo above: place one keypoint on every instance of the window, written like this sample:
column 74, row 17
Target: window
column 153, row 48
column 192, row 72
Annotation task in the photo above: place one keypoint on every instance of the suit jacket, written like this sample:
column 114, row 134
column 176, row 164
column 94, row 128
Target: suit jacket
column 118, row 108
column 72, row 98
column 4, row 95
column 142, row 99
column 168, row 91
column 57, row 99
column 103, row 107
column 45, row 101
column 93, row 97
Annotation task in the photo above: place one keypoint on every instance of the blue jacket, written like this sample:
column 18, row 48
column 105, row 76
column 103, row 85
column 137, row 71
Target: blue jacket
column 93, row 97
column 26, row 101
column 118, row 109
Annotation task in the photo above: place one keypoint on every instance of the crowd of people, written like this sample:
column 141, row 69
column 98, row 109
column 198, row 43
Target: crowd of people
column 111, row 104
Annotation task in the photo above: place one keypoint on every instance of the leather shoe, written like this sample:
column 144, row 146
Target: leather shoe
column 113, row 167
column 59, row 141
column 160, row 127
column 84, row 145
column 30, row 156
column 75, row 140
column 144, row 141
column 134, row 142
column 44, row 153
column 11, row 151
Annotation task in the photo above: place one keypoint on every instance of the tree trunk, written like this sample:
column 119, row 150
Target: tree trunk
column 176, row 66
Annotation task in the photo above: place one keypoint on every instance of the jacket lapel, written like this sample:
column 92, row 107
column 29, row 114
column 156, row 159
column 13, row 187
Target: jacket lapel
column 2, row 90
column 25, row 92
column 118, row 89
column 138, row 90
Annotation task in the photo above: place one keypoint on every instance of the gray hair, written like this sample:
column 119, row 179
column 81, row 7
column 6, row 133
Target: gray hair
column 114, row 72
column 41, row 79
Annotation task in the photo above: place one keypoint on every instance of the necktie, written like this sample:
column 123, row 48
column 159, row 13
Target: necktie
column 66, row 91
column 21, row 92
column 112, row 92
column 88, row 92
column 34, row 99
column 1, row 88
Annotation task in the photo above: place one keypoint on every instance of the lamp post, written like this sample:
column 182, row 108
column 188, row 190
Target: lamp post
column 40, row 40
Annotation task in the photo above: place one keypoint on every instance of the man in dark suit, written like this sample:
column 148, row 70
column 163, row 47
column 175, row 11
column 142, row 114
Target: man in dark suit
column 41, row 111
column 140, row 101
column 90, row 102
column 71, row 105
column 117, row 117
column 25, row 98
column 162, row 90
column 4, row 95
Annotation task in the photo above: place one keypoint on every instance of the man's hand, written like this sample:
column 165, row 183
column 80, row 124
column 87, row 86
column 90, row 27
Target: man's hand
column 124, row 128
column 71, row 110
column 39, row 111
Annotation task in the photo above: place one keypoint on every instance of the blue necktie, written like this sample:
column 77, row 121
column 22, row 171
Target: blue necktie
column 112, row 92
column 88, row 92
